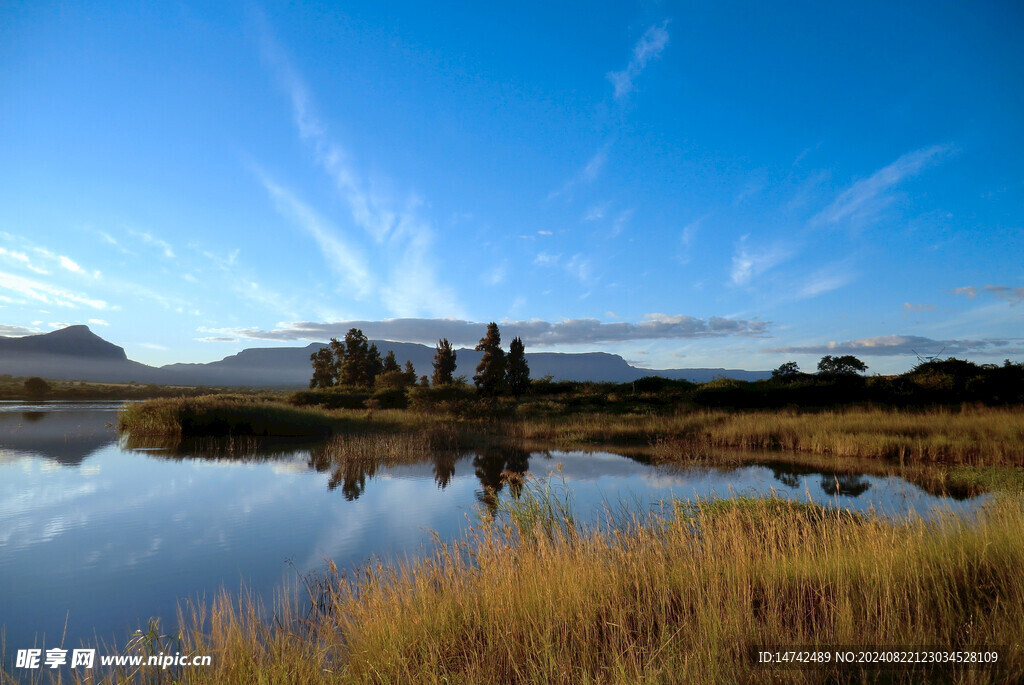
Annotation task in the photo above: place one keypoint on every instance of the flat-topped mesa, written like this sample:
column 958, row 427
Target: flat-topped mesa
column 73, row 341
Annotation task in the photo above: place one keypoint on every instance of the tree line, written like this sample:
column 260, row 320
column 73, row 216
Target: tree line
column 355, row 362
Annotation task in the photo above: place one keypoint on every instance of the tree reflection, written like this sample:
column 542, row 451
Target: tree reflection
column 444, row 467
column 832, row 483
column 498, row 465
column 849, row 484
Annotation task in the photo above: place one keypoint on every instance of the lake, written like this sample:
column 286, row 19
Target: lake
column 98, row 537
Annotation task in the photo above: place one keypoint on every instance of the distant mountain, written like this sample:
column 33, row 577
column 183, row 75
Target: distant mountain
column 74, row 353
column 79, row 354
column 76, row 341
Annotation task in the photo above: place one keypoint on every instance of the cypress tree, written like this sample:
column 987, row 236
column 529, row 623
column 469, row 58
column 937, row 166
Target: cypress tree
column 490, row 372
column 518, row 372
column 444, row 363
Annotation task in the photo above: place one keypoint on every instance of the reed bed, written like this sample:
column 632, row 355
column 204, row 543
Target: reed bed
column 973, row 436
column 222, row 415
column 529, row 598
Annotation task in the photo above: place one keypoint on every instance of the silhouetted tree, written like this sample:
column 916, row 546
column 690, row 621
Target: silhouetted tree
column 358, row 362
column 846, row 365
column 490, row 372
column 786, row 371
column 338, row 350
column 518, row 371
column 390, row 364
column 409, row 373
column 36, row 386
column 444, row 363
column 324, row 368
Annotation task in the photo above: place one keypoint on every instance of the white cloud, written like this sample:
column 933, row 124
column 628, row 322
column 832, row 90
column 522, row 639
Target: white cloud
column 8, row 331
column 620, row 222
column 596, row 212
column 908, row 345
column 406, row 239
column 748, row 263
column 650, row 46
column 866, row 198
column 70, row 265
column 496, row 275
column 830, row 278
column 46, row 293
column 546, row 259
column 1003, row 292
column 23, row 259
column 98, row 322
column 534, row 332
column 341, row 257
column 588, row 174
column 151, row 240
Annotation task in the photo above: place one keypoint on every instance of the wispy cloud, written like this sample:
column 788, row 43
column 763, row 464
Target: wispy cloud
column 596, row 212
column 533, row 332
column 578, row 266
column 826, row 279
column 110, row 240
column 546, row 259
column 687, row 236
column 412, row 285
column 582, row 269
column 620, row 222
column 650, row 45
column 1003, row 292
column 148, row 238
column 907, row 306
column 748, row 262
column 908, row 345
column 590, row 171
column 46, row 293
column 342, row 258
column 496, row 275
column 22, row 259
column 866, row 198
column 99, row 322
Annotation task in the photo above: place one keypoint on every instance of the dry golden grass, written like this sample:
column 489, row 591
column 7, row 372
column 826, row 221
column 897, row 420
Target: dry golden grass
column 976, row 436
column 678, row 600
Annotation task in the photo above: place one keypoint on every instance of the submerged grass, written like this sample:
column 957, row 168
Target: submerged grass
column 682, row 598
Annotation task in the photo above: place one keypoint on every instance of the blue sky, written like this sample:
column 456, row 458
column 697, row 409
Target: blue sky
column 715, row 184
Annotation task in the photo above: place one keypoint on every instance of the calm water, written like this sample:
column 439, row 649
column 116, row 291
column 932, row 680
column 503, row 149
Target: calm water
column 102, row 537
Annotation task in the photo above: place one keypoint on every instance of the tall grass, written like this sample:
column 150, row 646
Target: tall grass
column 684, row 598
column 222, row 415
column 977, row 436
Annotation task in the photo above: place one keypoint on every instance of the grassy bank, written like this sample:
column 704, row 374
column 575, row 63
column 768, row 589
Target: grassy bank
column 223, row 415
column 978, row 436
column 14, row 388
column 972, row 436
column 681, row 599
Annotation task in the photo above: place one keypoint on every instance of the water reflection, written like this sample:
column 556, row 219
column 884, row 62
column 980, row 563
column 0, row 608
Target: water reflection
column 832, row 483
column 103, row 533
column 65, row 432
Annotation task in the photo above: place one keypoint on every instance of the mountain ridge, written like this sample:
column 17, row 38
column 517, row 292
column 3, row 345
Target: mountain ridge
column 76, row 353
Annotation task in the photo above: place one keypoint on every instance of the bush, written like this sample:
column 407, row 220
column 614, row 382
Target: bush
column 331, row 398
column 36, row 386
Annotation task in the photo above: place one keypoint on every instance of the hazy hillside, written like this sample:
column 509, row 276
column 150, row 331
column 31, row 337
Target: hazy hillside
column 76, row 353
